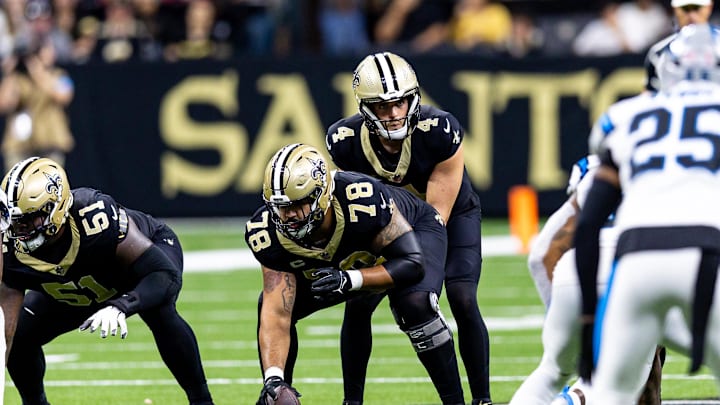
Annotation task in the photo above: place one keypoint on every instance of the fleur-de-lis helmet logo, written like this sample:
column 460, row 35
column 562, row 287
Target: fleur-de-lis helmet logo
column 318, row 169
column 54, row 185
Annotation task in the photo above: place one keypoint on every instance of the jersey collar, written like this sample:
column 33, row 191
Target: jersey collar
column 400, row 172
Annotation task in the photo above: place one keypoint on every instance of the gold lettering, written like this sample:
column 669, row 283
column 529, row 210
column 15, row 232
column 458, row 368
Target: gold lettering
column 291, row 117
column 621, row 82
column 342, row 83
column 228, row 139
column 544, row 92
column 478, row 146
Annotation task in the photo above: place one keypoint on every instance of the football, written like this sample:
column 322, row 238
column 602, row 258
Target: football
column 285, row 396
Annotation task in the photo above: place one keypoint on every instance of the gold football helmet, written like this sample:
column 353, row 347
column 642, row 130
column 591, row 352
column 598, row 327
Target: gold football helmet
column 297, row 174
column 39, row 200
column 383, row 77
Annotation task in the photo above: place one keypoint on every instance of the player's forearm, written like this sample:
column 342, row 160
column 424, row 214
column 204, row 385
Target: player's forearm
column 444, row 184
column 442, row 198
column 376, row 278
column 274, row 341
column 11, row 303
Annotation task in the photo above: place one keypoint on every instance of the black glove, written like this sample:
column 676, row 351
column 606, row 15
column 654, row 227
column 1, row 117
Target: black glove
column 330, row 281
column 272, row 385
column 585, row 363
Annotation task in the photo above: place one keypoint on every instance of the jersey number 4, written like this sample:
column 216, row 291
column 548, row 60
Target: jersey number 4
column 688, row 131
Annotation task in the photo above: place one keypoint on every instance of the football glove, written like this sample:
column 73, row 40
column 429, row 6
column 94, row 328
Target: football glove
column 330, row 281
column 271, row 387
column 108, row 319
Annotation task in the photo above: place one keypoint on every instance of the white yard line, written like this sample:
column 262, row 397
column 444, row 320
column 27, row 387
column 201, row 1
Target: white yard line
column 237, row 259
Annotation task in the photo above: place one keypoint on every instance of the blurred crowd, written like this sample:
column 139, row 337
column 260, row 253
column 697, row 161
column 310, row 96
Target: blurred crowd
column 111, row 31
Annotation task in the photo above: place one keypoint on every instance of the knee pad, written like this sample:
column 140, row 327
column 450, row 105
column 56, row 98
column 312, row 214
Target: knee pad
column 428, row 335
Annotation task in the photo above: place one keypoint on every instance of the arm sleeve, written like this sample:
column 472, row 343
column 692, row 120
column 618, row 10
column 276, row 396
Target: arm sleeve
column 159, row 282
column 602, row 200
column 404, row 260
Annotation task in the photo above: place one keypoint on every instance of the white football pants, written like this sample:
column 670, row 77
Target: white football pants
column 647, row 289
column 561, row 333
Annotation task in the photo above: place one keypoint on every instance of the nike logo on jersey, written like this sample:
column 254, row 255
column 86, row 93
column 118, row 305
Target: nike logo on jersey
column 383, row 205
column 170, row 242
column 447, row 127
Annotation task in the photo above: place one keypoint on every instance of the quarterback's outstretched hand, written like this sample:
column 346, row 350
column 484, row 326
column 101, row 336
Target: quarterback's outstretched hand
column 330, row 281
column 108, row 319
column 272, row 389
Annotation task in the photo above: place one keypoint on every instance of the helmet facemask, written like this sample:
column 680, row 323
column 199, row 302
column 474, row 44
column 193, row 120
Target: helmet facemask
column 298, row 228
column 380, row 127
column 28, row 230
column 297, row 179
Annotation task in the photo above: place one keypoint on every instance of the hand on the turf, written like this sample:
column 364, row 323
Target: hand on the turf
column 330, row 281
column 109, row 319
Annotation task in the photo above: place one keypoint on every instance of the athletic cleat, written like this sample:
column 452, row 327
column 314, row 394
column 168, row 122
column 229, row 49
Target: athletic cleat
column 481, row 402
column 569, row 397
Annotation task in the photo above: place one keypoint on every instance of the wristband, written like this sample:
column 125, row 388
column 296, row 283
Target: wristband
column 274, row 371
column 356, row 279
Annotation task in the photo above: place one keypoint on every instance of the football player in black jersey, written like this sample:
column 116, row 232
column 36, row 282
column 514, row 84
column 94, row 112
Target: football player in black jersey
column 88, row 262
column 401, row 142
column 4, row 225
column 323, row 237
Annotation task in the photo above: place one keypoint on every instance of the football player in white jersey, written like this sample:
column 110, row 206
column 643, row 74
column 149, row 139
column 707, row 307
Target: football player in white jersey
column 686, row 12
column 552, row 264
column 661, row 156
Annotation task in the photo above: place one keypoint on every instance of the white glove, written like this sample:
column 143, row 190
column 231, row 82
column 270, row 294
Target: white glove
column 108, row 318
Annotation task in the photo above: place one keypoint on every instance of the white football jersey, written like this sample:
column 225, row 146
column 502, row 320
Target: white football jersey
column 667, row 150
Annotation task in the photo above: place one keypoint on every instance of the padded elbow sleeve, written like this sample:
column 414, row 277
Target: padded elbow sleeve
column 159, row 281
column 404, row 260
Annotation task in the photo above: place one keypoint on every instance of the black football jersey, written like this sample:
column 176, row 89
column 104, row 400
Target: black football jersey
column 80, row 269
column 363, row 206
column 436, row 139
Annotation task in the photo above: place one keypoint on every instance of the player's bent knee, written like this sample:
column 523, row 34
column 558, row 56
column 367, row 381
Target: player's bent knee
column 429, row 335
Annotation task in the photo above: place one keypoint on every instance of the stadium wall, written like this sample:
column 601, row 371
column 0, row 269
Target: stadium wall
column 191, row 139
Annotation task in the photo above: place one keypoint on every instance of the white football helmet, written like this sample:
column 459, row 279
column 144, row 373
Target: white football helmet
column 383, row 77
column 693, row 56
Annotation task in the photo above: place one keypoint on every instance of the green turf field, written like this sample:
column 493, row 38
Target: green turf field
column 221, row 306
